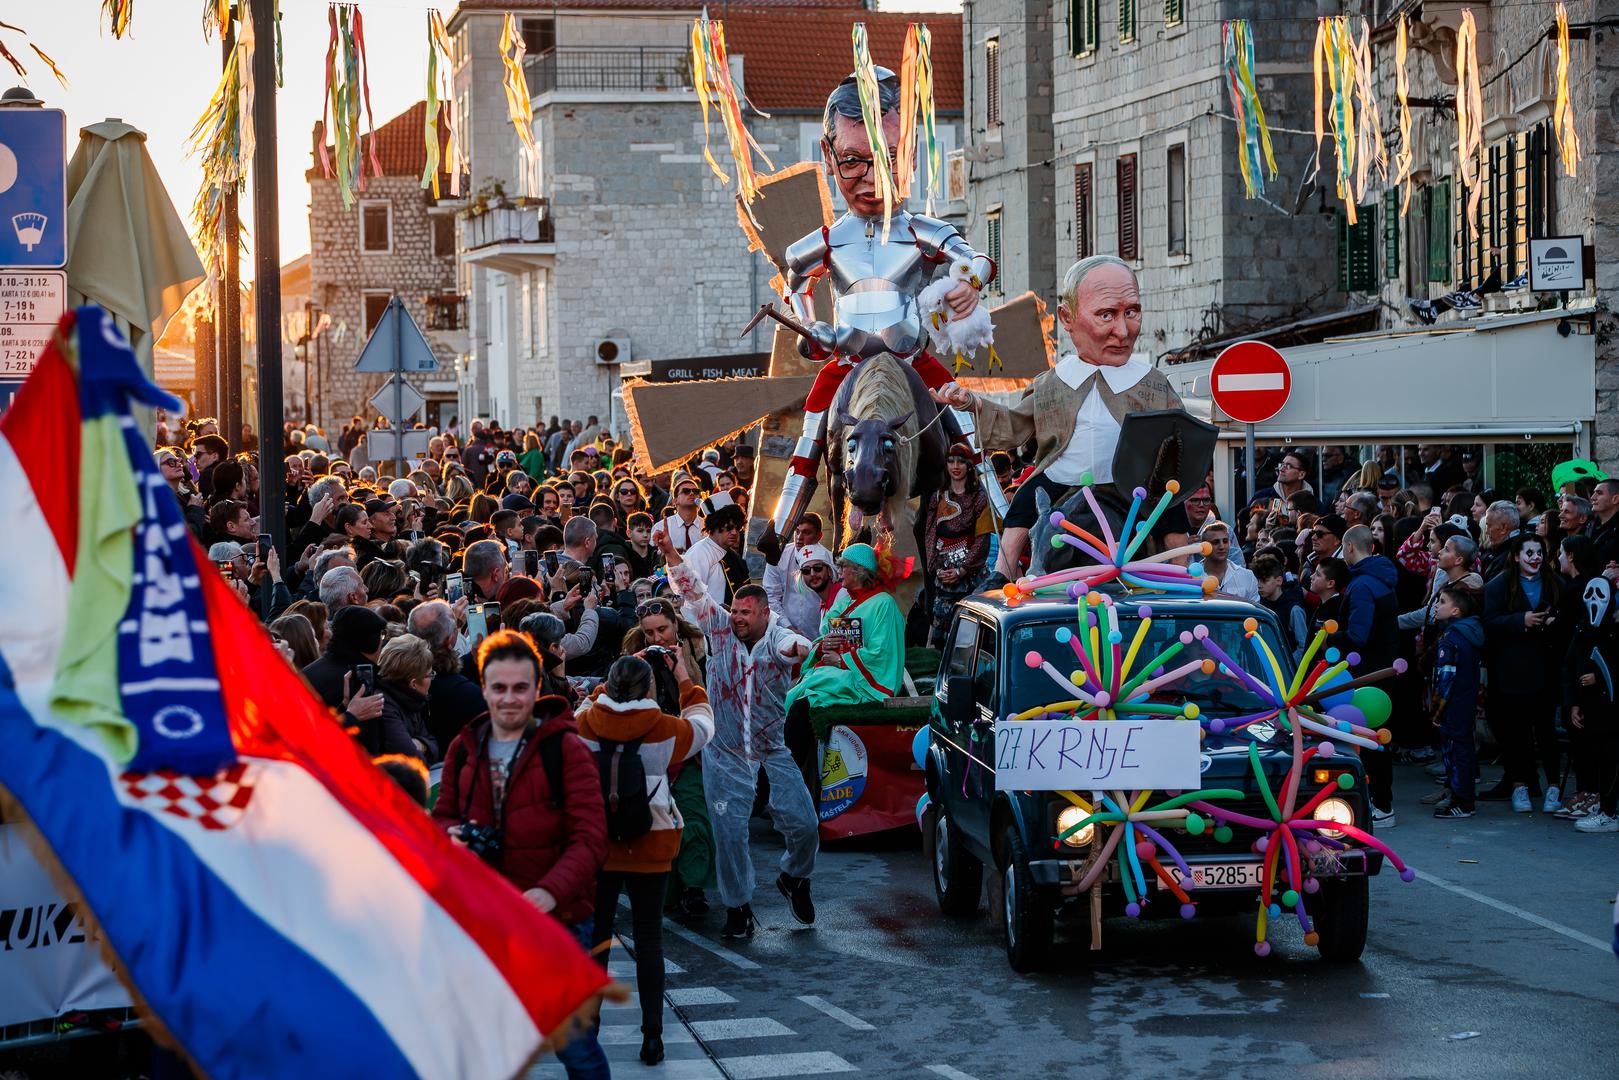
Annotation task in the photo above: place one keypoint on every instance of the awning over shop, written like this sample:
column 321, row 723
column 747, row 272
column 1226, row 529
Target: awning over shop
column 1505, row 376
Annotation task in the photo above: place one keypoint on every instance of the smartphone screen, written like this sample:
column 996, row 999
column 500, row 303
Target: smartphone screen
column 553, row 562
column 366, row 676
column 453, row 587
column 264, row 544
column 531, row 562
column 477, row 624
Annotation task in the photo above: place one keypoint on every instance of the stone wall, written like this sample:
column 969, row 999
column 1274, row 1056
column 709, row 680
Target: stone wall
column 341, row 276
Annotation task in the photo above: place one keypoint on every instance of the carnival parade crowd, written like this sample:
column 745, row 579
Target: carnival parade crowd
column 550, row 629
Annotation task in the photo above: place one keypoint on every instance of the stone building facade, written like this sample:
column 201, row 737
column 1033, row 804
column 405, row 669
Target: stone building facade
column 392, row 241
column 635, row 253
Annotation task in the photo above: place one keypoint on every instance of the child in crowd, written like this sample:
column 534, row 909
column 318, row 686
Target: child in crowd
column 1328, row 582
column 1286, row 600
column 1453, row 694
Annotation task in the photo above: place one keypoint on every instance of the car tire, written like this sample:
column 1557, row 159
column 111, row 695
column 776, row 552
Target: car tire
column 1341, row 911
column 1026, row 917
column 958, row 876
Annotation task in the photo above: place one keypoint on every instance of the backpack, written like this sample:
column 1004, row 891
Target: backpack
column 629, row 807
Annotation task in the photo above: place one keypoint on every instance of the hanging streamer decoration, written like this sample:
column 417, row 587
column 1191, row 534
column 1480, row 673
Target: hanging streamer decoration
column 711, row 77
column 118, row 14
column 918, row 120
column 215, row 15
column 348, row 89
column 1344, row 74
column 1402, row 88
column 871, row 113
column 1469, row 117
column 11, row 58
column 1568, row 140
column 439, row 92
column 518, row 107
column 1256, row 156
column 222, row 140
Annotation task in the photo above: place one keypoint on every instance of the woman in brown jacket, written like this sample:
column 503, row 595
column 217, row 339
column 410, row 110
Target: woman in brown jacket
column 666, row 727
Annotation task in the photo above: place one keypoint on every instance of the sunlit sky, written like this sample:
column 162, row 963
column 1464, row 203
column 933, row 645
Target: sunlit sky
column 161, row 76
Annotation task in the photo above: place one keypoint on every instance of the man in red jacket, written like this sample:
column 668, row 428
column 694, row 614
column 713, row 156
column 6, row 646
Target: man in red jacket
column 521, row 790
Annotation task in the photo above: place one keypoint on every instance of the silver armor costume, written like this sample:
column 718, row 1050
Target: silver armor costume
column 874, row 287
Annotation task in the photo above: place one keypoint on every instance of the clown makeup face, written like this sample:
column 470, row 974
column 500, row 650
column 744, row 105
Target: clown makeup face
column 1530, row 557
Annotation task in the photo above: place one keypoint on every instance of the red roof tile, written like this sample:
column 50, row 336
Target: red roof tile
column 693, row 6
column 401, row 145
column 794, row 66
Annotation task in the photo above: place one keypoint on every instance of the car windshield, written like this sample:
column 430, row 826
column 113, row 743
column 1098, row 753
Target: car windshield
column 1215, row 695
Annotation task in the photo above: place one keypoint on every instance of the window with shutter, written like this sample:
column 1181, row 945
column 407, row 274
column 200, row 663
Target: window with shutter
column 992, row 243
column 992, row 81
column 1174, row 12
column 1129, row 219
column 1175, row 192
column 1127, row 20
column 376, row 227
column 1357, row 250
column 1417, row 242
column 1391, row 234
column 1083, row 26
column 1439, row 231
column 1084, row 212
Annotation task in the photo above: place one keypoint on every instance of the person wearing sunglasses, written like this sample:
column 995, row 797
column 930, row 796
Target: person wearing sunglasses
column 880, row 258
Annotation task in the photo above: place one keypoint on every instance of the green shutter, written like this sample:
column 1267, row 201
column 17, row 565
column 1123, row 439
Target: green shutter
column 1174, row 12
column 1357, row 250
column 1081, row 26
column 1439, row 231
column 1127, row 20
column 1391, row 234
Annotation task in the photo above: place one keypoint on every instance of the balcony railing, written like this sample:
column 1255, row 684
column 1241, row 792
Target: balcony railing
column 446, row 311
column 507, row 225
column 609, row 69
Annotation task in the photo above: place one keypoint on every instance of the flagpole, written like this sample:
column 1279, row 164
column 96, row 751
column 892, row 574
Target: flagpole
column 267, row 285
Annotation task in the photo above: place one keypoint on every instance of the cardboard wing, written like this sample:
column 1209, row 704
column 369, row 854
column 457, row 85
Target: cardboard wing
column 672, row 421
column 1023, row 346
column 792, row 204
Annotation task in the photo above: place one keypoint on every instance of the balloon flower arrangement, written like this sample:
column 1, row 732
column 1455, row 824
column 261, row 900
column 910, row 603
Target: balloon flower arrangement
column 1110, row 684
column 1321, row 702
column 1116, row 556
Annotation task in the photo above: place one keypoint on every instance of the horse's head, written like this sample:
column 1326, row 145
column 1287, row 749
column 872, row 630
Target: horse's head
column 871, row 463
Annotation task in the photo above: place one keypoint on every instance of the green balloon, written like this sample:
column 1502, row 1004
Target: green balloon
column 1374, row 703
column 1222, row 834
column 1195, row 825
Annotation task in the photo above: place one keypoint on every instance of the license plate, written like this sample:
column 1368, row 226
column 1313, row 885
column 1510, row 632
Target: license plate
column 1230, row 875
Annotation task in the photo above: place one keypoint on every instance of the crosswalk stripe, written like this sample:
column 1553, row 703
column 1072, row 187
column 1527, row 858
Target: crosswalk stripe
column 848, row 1019
column 630, row 1035
column 625, row 968
column 751, row 1027
column 764, row 1066
column 950, row 1073
column 698, row 995
column 631, row 1069
column 730, row 957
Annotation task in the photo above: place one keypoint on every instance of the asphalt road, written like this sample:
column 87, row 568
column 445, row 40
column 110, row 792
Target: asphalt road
column 1495, row 962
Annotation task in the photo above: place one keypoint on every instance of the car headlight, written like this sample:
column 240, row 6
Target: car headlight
column 1337, row 810
column 1068, row 818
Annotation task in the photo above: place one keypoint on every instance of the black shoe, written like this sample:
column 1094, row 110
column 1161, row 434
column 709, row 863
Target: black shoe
column 651, row 1049
column 693, row 902
column 797, row 892
column 1451, row 813
column 738, row 923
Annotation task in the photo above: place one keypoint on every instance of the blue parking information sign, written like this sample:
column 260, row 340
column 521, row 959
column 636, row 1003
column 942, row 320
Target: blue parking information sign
column 33, row 187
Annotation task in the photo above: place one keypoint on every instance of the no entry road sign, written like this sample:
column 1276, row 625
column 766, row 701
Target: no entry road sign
column 1250, row 382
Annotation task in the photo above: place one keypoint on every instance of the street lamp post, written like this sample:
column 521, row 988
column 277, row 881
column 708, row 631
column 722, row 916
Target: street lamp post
column 267, row 286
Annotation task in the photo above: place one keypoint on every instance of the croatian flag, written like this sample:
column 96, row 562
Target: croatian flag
column 276, row 904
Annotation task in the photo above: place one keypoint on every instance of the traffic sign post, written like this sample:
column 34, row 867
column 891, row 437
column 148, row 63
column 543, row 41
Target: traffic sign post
column 1250, row 382
column 396, row 345
column 33, row 236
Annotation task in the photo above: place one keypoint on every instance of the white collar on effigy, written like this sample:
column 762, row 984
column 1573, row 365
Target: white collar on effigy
column 1073, row 371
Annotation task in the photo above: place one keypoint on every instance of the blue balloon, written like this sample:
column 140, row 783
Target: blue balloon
column 921, row 808
column 919, row 748
column 1337, row 700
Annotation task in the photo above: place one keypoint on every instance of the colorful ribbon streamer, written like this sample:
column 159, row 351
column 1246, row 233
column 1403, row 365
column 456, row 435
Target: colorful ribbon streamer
column 918, row 118
column 1568, row 139
column 1402, row 89
column 348, row 89
column 711, row 77
column 871, row 112
column 1344, row 72
column 1469, row 117
column 518, row 106
column 1256, row 154
column 9, row 57
column 118, row 14
column 439, row 91
column 222, row 139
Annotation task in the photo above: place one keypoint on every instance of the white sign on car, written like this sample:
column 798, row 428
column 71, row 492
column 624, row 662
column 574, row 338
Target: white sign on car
column 1087, row 755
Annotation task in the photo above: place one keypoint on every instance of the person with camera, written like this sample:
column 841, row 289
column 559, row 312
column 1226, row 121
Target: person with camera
column 647, row 717
column 521, row 791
